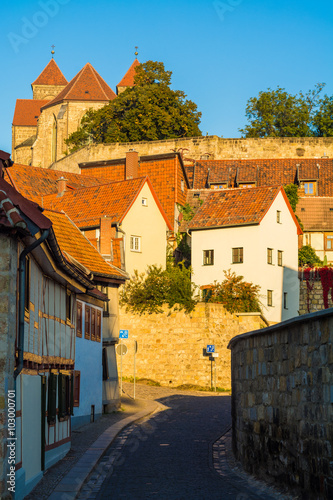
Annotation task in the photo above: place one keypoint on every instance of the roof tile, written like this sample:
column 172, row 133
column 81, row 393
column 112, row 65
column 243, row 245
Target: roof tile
column 72, row 242
column 51, row 75
column 27, row 112
column 232, row 207
column 87, row 85
column 128, row 78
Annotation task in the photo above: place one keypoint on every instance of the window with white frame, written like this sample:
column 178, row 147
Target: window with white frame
column 237, row 255
column 144, row 202
column 269, row 255
column 135, row 243
column 278, row 216
column 270, row 298
column 208, row 257
column 280, row 258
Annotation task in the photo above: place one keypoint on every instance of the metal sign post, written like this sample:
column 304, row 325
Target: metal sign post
column 135, row 351
column 121, row 350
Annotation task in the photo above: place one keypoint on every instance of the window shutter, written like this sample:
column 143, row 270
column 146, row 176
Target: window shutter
column 93, row 323
column 61, row 396
column 87, row 322
column 78, row 319
column 76, row 395
column 52, row 399
column 99, row 326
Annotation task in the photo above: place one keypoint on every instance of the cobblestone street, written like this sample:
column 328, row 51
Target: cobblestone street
column 179, row 449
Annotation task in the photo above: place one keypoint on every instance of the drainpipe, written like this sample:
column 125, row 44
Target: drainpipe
column 22, row 274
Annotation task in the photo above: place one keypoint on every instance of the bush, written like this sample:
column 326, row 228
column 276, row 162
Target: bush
column 308, row 257
column 234, row 293
column 148, row 292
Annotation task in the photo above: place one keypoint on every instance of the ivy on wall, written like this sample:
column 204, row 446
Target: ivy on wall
column 325, row 274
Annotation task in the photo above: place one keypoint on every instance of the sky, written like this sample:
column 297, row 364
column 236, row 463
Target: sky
column 221, row 53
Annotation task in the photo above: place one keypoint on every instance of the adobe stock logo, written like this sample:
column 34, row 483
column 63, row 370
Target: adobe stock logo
column 31, row 27
column 227, row 6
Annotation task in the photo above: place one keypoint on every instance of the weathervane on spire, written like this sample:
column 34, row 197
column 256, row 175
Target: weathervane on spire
column 136, row 51
column 52, row 51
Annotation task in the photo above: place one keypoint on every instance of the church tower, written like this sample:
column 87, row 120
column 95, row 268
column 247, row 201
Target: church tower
column 49, row 83
column 128, row 79
column 24, row 127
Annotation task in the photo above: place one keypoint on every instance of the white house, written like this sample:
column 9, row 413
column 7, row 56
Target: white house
column 254, row 233
column 127, row 209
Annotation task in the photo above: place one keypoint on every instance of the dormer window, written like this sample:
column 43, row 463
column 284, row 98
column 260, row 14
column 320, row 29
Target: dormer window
column 246, row 184
column 310, row 188
column 218, row 186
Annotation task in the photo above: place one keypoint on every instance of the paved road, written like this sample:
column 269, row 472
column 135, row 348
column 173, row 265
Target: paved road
column 170, row 456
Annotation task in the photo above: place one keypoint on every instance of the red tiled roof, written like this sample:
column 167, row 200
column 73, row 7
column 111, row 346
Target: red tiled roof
column 74, row 244
column 86, row 206
column 233, row 207
column 35, row 182
column 268, row 172
column 27, row 111
column 128, row 78
column 12, row 203
column 51, row 75
column 316, row 213
column 165, row 171
column 87, row 85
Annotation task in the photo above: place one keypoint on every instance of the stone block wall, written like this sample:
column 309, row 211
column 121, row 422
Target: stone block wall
column 8, row 271
column 312, row 300
column 171, row 347
column 282, row 403
column 199, row 147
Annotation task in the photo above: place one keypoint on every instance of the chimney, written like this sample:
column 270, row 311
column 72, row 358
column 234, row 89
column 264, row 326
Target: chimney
column 132, row 164
column 61, row 184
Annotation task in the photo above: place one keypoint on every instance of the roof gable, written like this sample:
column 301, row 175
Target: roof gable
column 74, row 244
column 51, row 75
column 86, row 206
column 27, row 112
column 128, row 78
column 237, row 207
column 35, row 182
column 87, row 85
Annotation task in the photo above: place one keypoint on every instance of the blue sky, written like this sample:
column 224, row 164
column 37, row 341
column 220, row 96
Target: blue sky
column 221, row 53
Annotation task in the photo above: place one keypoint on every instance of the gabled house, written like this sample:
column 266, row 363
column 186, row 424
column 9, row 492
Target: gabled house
column 165, row 171
column 126, row 215
column 96, row 324
column 316, row 214
column 254, row 233
column 43, row 289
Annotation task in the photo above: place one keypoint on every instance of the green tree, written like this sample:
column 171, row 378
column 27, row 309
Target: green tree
column 276, row 113
column 148, row 292
column 308, row 257
column 323, row 120
column 234, row 293
column 149, row 111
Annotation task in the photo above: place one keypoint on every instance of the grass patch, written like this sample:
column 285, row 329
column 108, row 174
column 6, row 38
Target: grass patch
column 193, row 387
column 145, row 381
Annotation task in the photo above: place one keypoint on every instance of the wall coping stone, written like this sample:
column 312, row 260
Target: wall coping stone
column 280, row 326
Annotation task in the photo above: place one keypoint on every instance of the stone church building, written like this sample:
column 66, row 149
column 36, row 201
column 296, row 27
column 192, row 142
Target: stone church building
column 41, row 124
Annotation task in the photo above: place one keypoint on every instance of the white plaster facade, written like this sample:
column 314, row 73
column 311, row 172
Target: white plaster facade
column 255, row 240
column 145, row 222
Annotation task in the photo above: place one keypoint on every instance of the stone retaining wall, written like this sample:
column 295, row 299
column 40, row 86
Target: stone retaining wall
column 171, row 347
column 282, row 402
column 198, row 147
column 312, row 299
